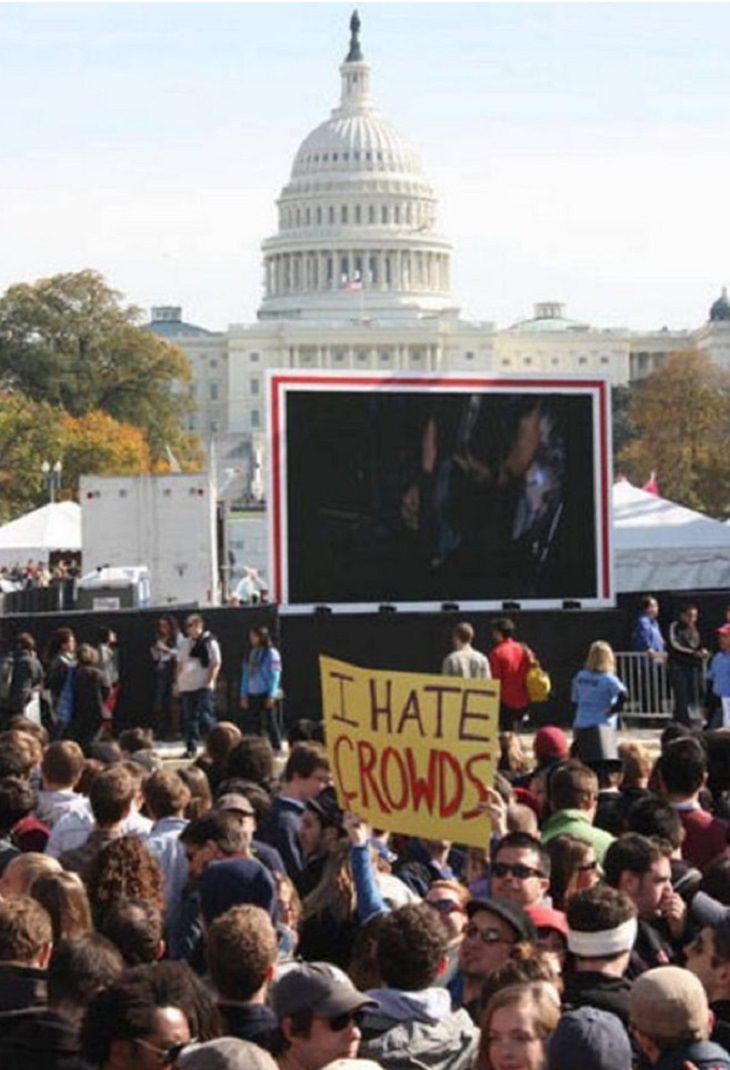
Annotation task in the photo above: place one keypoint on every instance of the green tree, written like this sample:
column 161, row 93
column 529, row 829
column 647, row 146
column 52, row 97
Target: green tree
column 624, row 428
column 70, row 342
column 682, row 417
column 30, row 432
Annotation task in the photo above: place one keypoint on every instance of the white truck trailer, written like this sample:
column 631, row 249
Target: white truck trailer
column 166, row 522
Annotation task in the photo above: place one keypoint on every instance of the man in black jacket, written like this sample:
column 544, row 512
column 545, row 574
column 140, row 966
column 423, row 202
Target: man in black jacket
column 686, row 653
column 48, row 1038
column 242, row 951
column 26, row 941
column 601, row 934
column 640, row 868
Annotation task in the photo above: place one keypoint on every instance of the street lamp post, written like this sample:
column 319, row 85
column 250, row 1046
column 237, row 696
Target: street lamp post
column 52, row 477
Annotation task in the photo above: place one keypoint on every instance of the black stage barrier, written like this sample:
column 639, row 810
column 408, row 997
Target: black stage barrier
column 412, row 642
column 135, row 630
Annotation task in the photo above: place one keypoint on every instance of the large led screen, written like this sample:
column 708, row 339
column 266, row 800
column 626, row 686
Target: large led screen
column 418, row 491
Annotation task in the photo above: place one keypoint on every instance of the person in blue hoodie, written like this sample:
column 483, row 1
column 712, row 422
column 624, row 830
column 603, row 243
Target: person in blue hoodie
column 260, row 681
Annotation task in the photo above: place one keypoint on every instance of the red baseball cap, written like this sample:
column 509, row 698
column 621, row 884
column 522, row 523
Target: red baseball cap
column 545, row 917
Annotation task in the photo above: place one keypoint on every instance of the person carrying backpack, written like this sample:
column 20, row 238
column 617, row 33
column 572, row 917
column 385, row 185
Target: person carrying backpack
column 198, row 666
column 27, row 675
column 62, row 657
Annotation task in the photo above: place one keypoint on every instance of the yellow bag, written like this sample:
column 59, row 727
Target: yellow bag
column 537, row 683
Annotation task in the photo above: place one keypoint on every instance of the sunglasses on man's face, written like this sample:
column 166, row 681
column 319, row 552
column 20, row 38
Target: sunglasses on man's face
column 517, row 869
column 338, row 1022
column 167, row 1056
column 444, row 906
column 487, row 936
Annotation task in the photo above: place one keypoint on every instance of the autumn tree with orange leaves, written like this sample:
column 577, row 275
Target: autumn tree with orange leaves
column 681, row 416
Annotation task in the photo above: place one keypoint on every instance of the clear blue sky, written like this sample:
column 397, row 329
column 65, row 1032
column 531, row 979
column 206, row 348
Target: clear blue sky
column 580, row 152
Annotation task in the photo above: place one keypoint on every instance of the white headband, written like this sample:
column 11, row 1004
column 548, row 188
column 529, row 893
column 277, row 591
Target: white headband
column 607, row 942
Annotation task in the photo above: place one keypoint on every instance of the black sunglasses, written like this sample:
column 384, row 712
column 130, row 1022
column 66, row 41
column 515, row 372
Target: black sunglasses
column 338, row 1022
column 168, row 1056
column 503, row 869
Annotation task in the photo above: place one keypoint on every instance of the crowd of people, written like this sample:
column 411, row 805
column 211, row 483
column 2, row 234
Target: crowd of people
column 39, row 574
column 74, row 690
column 215, row 916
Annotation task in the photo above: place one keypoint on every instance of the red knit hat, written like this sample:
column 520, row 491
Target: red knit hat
column 550, row 743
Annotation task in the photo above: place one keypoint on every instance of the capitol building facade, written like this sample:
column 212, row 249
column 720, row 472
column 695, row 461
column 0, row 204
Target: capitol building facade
column 358, row 276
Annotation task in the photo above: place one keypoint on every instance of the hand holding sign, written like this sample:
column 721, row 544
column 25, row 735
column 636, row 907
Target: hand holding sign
column 496, row 807
column 358, row 831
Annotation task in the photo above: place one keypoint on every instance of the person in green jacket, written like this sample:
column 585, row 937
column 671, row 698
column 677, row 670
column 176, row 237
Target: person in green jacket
column 573, row 795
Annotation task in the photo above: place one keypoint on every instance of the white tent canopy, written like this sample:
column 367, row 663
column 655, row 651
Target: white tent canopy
column 661, row 546
column 53, row 527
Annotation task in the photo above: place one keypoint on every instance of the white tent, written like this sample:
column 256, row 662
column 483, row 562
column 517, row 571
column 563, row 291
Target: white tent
column 56, row 526
column 661, row 546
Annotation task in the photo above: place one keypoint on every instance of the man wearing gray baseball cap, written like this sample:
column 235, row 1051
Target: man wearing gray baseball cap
column 318, row 1010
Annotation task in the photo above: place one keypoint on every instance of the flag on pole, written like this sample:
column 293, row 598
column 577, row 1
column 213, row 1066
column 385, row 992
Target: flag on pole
column 651, row 486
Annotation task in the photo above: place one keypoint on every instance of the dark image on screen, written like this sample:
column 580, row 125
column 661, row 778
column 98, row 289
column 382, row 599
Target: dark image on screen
column 434, row 496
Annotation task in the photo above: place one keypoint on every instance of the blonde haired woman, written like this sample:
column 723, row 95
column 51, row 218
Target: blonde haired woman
column 597, row 692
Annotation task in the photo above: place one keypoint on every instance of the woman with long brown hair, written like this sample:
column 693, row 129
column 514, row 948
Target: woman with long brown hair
column 516, row 1026
column 329, row 913
column 573, row 867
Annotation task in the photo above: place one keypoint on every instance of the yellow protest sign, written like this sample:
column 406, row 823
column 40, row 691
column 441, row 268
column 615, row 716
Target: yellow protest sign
column 411, row 752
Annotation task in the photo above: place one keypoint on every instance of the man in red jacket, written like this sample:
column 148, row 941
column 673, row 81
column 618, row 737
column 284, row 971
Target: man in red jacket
column 510, row 662
column 683, row 773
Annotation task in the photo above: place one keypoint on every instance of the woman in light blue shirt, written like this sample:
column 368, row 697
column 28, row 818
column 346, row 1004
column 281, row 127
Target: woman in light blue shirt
column 597, row 692
column 260, row 681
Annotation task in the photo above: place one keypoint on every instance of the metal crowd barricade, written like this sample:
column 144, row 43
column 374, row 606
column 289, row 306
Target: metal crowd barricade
column 648, row 684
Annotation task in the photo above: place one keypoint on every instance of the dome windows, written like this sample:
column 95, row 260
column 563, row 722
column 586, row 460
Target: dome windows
column 358, row 214
column 343, row 214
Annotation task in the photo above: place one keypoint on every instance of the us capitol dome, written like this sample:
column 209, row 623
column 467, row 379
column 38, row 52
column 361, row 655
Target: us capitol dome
column 357, row 230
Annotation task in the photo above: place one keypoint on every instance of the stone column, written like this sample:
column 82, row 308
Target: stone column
column 380, row 257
